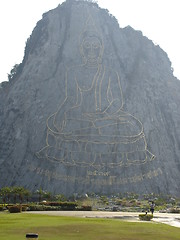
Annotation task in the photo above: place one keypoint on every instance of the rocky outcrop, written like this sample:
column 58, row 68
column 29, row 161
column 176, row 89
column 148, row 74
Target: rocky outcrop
column 93, row 108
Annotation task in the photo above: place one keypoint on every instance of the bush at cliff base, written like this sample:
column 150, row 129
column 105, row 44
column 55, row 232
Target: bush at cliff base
column 1, row 208
column 15, row 209
column 145, row 217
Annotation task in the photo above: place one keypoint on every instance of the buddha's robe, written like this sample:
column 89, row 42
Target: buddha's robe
column 90, row 127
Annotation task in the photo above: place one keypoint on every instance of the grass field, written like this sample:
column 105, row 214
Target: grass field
column 14, row 226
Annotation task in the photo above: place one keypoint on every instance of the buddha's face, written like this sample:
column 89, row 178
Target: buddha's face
column 92, row 49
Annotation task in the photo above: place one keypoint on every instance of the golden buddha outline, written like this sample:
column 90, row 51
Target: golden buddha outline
column 90, row 128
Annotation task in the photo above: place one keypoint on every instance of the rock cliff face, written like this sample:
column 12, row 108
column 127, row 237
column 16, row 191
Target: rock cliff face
column 92, row 108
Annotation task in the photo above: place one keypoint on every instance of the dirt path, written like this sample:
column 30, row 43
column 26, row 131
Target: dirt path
column 167, row 218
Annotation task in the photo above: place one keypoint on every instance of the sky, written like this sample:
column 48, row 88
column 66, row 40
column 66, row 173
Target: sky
column 156, row 19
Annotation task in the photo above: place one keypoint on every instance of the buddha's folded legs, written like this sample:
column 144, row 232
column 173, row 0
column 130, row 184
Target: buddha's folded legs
column 128, row 145
column 112, row 141
column 55, row 154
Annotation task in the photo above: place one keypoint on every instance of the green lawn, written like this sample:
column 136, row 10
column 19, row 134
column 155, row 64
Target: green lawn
column 14, row 226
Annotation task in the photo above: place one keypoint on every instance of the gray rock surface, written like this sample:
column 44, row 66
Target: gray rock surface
column 92, row 108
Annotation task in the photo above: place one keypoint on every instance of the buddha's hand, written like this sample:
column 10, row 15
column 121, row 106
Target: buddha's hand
column 96, row 116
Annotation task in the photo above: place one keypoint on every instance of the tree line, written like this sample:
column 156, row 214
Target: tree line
column 20, row 194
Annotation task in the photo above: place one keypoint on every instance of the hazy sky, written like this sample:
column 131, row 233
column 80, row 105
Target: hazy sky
column 157, row 19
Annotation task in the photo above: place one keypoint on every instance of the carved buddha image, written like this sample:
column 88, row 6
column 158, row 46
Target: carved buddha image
column 90, row 127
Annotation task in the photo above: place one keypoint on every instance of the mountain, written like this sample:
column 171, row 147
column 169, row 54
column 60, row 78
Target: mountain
column 92, row 108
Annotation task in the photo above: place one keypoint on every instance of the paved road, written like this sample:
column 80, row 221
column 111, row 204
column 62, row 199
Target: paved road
column 167, row 218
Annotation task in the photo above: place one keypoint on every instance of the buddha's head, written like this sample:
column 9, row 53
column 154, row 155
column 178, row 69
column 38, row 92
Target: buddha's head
column 91, row 45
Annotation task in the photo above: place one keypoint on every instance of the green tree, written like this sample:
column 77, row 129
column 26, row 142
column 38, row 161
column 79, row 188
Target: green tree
column 47, row 195
column 15, row 193
column 60, row 198
column 20, row 192
column 5, row 193
column 27, row 194
column 40, row 193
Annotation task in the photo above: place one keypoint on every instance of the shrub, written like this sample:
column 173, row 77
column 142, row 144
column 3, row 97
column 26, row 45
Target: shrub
column 9, row 205
column 62, row 205
column 55, row 204
column 48, row 206
column 85, row 208
column 43, row 208
column 15, row 209
column 1, row 208
column 35, row 208
column 51, row 208
column 174, row 210
column 68, row 206
column 24, row 208
column 145, row 217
